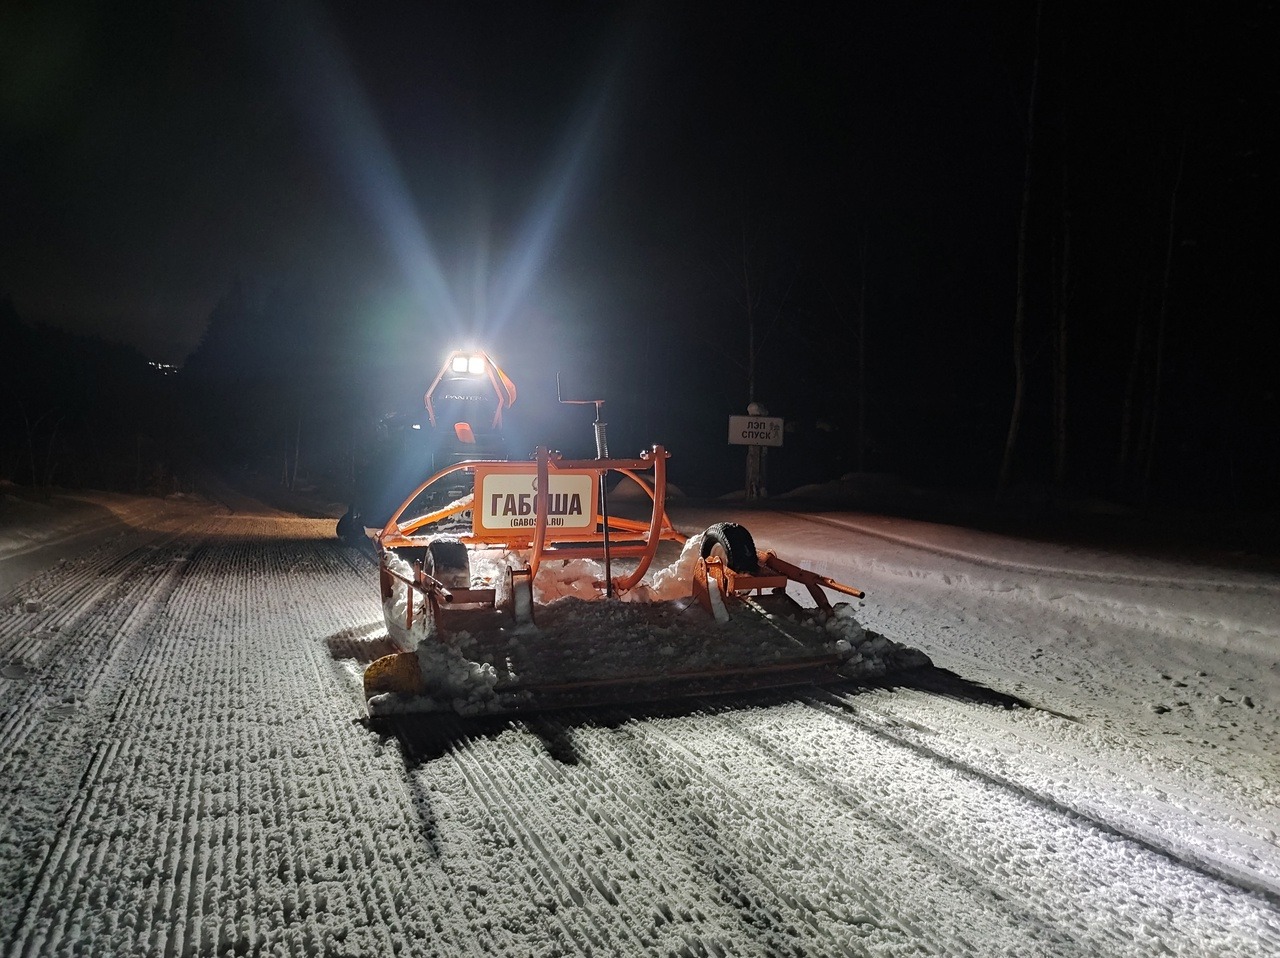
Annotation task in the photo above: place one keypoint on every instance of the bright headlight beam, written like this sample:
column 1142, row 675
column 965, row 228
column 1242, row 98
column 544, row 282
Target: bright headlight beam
column 537, row 234
column 324, row 88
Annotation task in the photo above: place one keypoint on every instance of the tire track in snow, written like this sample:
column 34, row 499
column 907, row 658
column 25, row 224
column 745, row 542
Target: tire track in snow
column 887, row 727
column 1150, row 793
column 1211, row 911
column 838, row 833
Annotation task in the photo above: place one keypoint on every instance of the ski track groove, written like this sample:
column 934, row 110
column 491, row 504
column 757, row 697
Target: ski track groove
column 967, row 649
column 840, row 713
column 541, row 860
column 126, row 610
column 744, row 887
column 112, row 607
column 137, row 619
column 890, row 730
column 822, row 852
column 751, row 882
column 930, row 849
column 1175, row 795
column 75, row 586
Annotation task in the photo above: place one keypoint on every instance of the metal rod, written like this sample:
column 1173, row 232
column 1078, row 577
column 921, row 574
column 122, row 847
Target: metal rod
column 602, row 452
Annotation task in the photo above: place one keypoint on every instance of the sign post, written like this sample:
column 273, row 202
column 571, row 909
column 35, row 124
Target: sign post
column 757, row 431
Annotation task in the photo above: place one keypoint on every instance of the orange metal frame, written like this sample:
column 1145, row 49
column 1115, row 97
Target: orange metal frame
column 636, row 538
column 773, row 573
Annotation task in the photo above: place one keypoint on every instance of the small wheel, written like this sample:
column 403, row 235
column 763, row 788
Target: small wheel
column 733, row 545
column 449, row 563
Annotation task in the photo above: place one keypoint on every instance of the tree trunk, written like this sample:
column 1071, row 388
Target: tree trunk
column 1125, row 455
column 862, row 361
column 1060, row 341
column 1162, row 327
column 297, row 447
column 1064, row 304
column 1020, row 309
column 749, row 301
column 31, row 448
column 51, row 459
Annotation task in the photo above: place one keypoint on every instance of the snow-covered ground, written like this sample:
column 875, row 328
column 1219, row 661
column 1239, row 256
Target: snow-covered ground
column 1092, row 769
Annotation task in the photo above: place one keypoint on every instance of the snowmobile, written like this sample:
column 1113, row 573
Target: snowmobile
column 505, row 599
column 461, row 416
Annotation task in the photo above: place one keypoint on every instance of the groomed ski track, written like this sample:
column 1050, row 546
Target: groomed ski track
column 185, row 772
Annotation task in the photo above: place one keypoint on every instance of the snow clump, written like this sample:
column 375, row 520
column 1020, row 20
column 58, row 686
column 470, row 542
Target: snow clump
column 452, row 679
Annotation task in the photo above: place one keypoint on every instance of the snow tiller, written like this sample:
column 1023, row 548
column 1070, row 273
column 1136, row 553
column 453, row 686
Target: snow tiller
column 526, row 594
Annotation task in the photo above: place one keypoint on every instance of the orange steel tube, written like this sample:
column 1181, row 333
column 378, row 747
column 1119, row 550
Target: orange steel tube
column 659, row 526
column 540, row 529
column 392, row 525
column 459, row 505
column 806, row 578
column 658, row 458
column 632, row 525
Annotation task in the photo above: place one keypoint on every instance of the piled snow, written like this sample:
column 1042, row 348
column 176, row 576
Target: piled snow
column 579, row 578
column 453, row 681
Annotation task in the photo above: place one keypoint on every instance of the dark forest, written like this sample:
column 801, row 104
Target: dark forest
column 1021, row 252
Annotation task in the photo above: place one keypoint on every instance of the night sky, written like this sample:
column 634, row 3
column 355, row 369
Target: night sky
column 574, row 185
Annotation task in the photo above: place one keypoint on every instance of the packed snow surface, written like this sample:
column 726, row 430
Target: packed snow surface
column 1090, row 767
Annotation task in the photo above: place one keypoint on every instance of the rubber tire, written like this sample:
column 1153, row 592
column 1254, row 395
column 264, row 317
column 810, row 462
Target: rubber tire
column 449, row 562
column 734, row 544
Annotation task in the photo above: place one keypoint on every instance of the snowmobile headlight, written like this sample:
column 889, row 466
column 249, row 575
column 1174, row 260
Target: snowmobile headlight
column 459, row 364
column 475, row 364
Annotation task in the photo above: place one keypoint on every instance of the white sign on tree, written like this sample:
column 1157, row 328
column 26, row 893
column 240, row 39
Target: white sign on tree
column 755, row 430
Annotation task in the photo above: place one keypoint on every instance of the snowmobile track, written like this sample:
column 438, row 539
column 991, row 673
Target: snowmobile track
column 1094, row 938
column 891, row 729
column 1026, row 744
column 850, row 809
